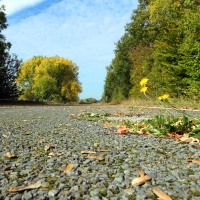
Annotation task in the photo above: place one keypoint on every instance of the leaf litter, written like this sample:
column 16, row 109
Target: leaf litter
column 140, row 180
column 29, row 187
column 69, row 168
column 162, row 195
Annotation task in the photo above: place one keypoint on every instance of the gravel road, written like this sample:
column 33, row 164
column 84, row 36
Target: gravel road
column 42, row 145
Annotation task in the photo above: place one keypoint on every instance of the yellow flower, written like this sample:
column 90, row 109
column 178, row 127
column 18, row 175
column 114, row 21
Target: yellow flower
column 163, row 97
column 143, row 89
column 143, row 82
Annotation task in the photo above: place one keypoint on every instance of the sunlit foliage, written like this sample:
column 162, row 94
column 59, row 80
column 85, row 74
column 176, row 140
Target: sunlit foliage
column 162, row 43
column 49, row 78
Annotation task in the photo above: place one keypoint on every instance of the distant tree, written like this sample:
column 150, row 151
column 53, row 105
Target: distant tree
column 9, row 64
column 51, row 79
column 8, row 86
column 88, row 101
column 121, row 72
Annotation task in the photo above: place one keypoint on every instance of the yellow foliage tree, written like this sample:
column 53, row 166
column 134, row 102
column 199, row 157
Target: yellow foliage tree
column 49, row 78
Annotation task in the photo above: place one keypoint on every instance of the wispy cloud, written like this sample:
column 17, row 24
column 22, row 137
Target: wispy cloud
column 83, row 31
column 14, row 6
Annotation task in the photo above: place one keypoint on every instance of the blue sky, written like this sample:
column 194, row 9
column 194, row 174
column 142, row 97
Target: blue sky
column 84, row 31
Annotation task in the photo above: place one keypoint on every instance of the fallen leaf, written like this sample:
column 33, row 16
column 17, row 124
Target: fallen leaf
column 60, row 154
column 188, row 140
column 104, row 150
column 51, row 154
column 142, row 173
column 29, row 187
column 9, row 155
column 96, row 144
column 122, row 130
column 88, row 152
column 195, row 161
column 161, row 194
column 47, row 147
column 194, row 140
column 140, row 180
column 69, row 168
column 95, row 157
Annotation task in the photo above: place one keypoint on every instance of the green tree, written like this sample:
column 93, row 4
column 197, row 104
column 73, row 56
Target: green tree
column 50, row 79
column 109, row 85
column 119, row 73
column 143, row 36
column 190, row 48
column 176, row 21
column 162, row 43
column 123, row 69
column 9, row 64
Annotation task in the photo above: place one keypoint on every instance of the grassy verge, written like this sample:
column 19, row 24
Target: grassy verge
column 179, row 103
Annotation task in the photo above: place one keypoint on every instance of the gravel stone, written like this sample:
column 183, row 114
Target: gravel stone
column 52, row 193
column 26, row 130
column 27, row 196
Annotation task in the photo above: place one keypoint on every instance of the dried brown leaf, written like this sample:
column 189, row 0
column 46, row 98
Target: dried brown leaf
column 195, row 161
column 95, row 157
column 140, row 180
column 142, row 173
column 122, row 130
column 186, row 140
column 96, row 144
column 29, row 187
column 69, row 168
column 88, row 152
column 161, row 194
column 47, row 147
column 51, row 154
column 190, row 140
column 60, row 153
column 194, row 140
column 9, row 155
column 103, row 150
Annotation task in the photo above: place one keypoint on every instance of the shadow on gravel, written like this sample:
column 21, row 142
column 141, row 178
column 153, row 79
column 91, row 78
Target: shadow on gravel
column 11, row 102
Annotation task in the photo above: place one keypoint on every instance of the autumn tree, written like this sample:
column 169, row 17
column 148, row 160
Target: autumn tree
column 9, row 64
column 50, row 79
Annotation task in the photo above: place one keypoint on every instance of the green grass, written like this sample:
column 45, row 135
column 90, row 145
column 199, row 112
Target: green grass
column 179, row 103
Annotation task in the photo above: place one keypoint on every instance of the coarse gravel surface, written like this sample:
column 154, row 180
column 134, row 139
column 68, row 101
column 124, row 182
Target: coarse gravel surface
column 44, row 140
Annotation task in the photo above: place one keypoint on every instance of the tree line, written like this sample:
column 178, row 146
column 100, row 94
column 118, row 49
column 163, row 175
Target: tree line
column 161, row 43
column 40, row 78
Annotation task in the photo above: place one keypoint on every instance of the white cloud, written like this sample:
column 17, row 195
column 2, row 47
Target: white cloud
column 83, row 31
column 13, row 6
